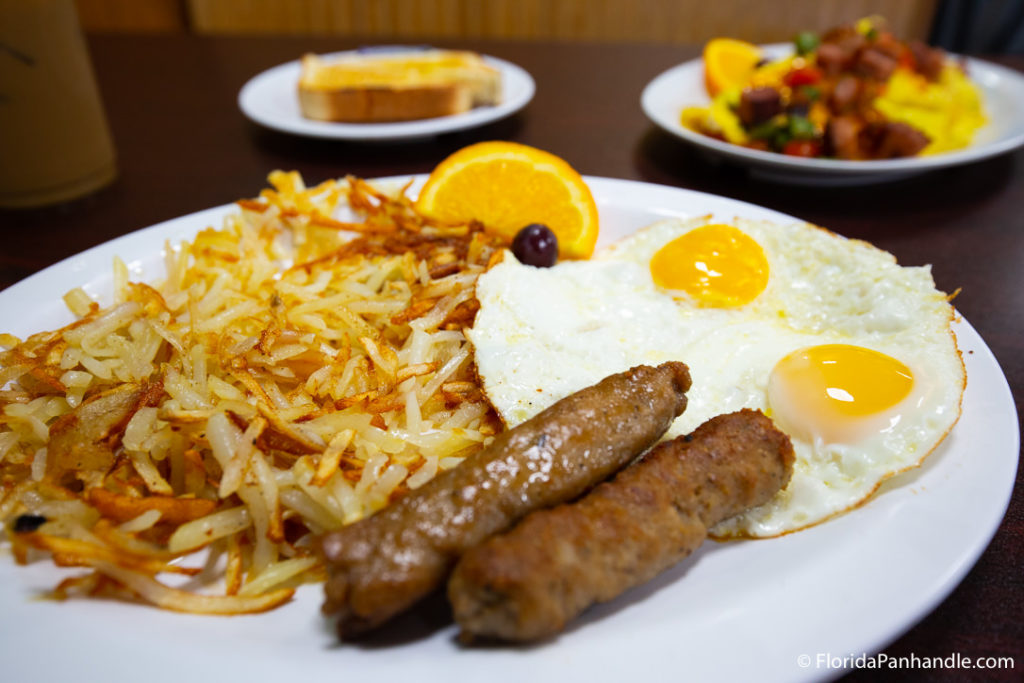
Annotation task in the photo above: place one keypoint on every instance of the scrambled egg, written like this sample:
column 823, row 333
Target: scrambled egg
column 948, row 111
column 718, row 119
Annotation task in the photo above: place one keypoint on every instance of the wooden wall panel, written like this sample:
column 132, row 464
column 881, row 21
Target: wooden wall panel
column 132, row 15
column 662, row 21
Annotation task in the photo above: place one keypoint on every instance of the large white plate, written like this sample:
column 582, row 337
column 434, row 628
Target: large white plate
column 271, row 99
column 745, row 610
column 665, row 97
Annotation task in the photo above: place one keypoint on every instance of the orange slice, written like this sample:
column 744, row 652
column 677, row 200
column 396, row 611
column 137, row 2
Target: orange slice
column 728, row 63
column 506, row 186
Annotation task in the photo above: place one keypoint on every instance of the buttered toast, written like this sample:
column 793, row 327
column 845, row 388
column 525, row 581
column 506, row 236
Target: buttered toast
column 396, row 86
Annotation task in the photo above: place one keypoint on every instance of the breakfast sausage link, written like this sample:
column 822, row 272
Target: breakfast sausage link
column 528, row 583
column 385, row 563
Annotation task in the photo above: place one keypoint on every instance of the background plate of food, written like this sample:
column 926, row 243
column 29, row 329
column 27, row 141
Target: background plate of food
column 678, row 101
column 851, row 584
column 445, row 91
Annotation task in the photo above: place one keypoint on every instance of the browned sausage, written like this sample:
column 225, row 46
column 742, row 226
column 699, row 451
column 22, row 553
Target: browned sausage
column 383, row 564
column 841, row 137
column 928, row 61
column 891, row 140
column 758, row 105
column 844, row 97
column 528, row 583
column 875, row 64
column 831, row 59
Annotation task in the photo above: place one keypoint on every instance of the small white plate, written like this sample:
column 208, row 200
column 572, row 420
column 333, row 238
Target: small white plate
column 271, row 99
column 765, row 611
column 665, row 97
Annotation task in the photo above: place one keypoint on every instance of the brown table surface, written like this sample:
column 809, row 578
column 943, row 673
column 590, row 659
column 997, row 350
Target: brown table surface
column 183, row 146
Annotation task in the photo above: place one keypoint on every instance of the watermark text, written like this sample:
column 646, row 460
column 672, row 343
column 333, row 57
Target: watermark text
column 956, row 660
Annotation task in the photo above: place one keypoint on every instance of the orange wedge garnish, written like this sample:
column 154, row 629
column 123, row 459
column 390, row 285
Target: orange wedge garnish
column 507, row 186
column 728, row 63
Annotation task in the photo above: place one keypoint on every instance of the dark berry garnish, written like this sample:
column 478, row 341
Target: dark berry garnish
column 536, row 245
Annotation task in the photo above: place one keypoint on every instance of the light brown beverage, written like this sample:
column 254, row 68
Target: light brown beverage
column 55, row 144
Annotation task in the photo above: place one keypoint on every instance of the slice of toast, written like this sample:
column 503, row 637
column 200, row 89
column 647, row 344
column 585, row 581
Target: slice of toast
column 399, row 86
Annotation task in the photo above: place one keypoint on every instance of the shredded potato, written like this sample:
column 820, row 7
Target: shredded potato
column 293, row 373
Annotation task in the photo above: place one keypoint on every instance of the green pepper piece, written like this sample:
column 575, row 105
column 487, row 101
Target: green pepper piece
column 764, row 131
column 811, row 92
column 801, row 128
column 781, row 138
column 806, row 42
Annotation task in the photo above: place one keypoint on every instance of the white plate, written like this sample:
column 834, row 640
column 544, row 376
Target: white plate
column 271, row 99
column 744, row 610
column 665, row 97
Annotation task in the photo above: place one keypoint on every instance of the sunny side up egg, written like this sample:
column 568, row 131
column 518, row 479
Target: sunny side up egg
column 851, row 354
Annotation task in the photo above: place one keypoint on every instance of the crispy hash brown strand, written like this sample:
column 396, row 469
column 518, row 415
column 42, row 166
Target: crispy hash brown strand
column 292, row 374
column 529, row 583
column 387, row 562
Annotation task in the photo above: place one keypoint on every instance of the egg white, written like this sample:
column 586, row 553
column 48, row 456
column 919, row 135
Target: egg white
column 542, row 334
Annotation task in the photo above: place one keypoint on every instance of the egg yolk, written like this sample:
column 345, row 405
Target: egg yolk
column 717, row 265
column 838, row 392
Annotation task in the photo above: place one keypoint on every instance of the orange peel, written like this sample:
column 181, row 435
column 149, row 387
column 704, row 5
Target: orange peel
column 729, row 63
